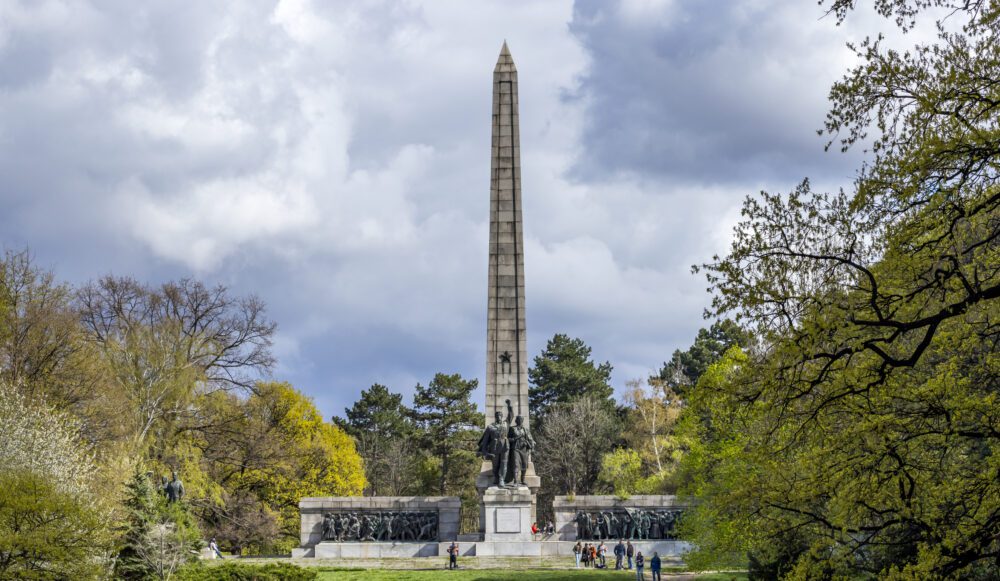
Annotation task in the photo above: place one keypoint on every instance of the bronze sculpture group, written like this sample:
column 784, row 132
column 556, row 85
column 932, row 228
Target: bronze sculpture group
column 508, row 447
column 380, row 526
column 630, row 523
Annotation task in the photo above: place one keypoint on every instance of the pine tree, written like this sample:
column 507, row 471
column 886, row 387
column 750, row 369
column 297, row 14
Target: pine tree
column 141, row 508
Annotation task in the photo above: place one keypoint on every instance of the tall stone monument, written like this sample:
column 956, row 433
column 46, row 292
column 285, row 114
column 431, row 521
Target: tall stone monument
column 506, row 512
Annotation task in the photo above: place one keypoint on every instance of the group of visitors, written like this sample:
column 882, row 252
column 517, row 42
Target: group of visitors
column 590, row 555
column 626, row 555
column 548, row 530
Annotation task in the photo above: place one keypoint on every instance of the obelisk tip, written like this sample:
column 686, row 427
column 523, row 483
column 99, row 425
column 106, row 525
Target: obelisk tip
column 505, row 62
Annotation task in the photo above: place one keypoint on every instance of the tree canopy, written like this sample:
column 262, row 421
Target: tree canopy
column 865, row 433
column 382, row 426
column 685, row 367
column 450, row 424
column 563, row 372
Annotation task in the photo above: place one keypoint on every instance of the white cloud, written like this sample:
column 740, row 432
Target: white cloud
column 333, row 158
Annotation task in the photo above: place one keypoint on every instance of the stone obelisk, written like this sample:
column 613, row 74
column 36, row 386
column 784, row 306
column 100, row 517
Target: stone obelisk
column 505, row 514
column 506, row 352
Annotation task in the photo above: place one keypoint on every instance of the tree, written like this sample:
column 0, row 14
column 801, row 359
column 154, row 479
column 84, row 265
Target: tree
column 48, row 533
column 243, row 523
column 382, row 427
column 274, row 447
column 448, row 421
column 157, row 537
column 685, row 367
column 140, row 508
column 870, row 419
column 564, row 372
column 171, row 541
column 42, row 351
column 571, row 442
column 651, row 416
column 160, row 344
column 620, row 472
column 41, row 441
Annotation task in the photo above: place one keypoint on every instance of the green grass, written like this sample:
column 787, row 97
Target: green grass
column 506, row 575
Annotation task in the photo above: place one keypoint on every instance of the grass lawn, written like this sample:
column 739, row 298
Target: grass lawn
column 507, row 575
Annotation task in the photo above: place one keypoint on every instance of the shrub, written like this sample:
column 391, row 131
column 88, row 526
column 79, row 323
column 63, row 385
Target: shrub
column 231, row 571
column 46, row 533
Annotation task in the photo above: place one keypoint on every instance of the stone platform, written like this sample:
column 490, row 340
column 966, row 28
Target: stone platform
column 669, row 550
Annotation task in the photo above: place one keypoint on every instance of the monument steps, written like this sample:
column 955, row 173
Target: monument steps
column 437, row 563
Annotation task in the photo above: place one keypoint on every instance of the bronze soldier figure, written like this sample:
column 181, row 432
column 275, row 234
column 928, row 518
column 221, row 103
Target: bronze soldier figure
column 521, row 444
column 495, row 446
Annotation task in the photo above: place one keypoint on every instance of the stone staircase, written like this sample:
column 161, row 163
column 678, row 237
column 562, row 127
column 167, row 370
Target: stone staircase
column 434, row 563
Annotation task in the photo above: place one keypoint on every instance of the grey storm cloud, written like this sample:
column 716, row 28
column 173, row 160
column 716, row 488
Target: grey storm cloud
column 706, row 91
column 333, row 158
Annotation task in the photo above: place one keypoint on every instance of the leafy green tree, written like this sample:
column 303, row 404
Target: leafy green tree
column 449, row 425
column 563, row 372
column 685, row 367
column 620, row 472
column 273, row 447
column 383, row 428
column 868, row 422
column 48, row 533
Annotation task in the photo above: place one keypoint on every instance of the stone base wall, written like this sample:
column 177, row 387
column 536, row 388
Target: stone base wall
column 311, row 511
column 566, row 507
column 668, row 550
column 334, row 550
column 672, row 552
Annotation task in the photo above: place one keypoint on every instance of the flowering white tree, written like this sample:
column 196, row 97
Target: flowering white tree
column 52, row 525
column 44, row 442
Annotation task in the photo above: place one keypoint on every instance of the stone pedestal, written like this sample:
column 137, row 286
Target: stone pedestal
column 485, row 481
column 505, row 514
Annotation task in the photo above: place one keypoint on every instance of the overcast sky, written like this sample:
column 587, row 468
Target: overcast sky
column 333, row 158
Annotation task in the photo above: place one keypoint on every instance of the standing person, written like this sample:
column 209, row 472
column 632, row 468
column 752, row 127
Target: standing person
column 619, row 554
column 593, row 556
column 654, row 566
column 214, row 547
column 453, row 555
column 602, row 552
column 577, row 549
column 639, row 563
column 629, row 552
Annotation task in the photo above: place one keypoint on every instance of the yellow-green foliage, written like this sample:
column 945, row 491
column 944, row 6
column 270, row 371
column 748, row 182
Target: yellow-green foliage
column 620, row 471
column 48, row 533
column 274, row 446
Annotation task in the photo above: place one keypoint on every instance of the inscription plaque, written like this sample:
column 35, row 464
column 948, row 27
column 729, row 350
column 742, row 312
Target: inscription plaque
column 508, row 520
